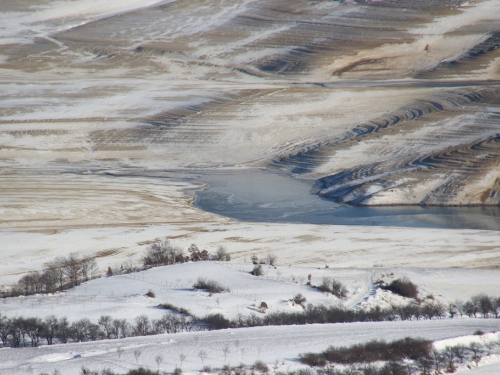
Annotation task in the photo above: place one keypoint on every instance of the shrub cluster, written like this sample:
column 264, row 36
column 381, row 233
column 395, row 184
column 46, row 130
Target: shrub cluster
column 418, row 355
column 135, row 371
column 270, row 259
column 372, row 351
column 210, row 286
column 180, row 310
column 299, row 299
column 162, row 253
column 257, row 270
column 333, row 286
column 257, row 367
column 403, row 287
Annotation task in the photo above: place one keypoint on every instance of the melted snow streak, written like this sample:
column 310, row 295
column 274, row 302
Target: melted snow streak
column 382, row 102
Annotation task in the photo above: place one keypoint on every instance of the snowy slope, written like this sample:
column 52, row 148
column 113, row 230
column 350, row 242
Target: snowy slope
column 269, row 344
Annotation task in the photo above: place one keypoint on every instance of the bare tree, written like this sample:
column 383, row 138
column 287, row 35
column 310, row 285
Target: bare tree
column 485, row 304
column 271, row 259
column 496, row 306
column 30, row 283
column 182, row 358
column 490, row 345
column 203, row 355
column 425, row 365
column 161, row 252
column 452, row 309
column 438, row 360
column 72, row 268
column 49, row 278
column 137, row 354
column 142, row 325
column 64, row 330
column 78, row 330
column 477, row 352
column 121, row 328
column 51, row 327
column 106, row 323
column 460, row 352
column 57, row 267
column 158, row 360
column 221, row 254
column 88, row 266
column 450, row 356
column 225, row 351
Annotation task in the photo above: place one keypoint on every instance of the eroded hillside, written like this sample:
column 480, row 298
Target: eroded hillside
column 385, row 102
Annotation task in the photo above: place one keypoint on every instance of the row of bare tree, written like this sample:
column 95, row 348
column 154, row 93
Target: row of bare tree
column 61, row 273
column 163, row 252
column 19, row 331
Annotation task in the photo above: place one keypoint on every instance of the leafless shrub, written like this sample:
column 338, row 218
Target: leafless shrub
column 222, row 254
column 299, row 299
column 203, row 355
column 225, row 351
column 313, row 360
column 257, row 270
column 182, row 358
column 260, row 367
column 271, row 259
column 210, row 286
column 263, row 307
column 373, row 351
column 325, row 285
column 333, row 286
column 403, row 287
column 338, row 289
column 158, row 360
column 137, row 354
column 162, row 253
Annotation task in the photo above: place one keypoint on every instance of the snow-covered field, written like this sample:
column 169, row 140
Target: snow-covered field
column 278, row 346
column 123, row 297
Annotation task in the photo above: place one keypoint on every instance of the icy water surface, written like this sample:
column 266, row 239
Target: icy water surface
column 267, row 197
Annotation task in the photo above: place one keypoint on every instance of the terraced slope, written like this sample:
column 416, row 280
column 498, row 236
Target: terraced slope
column 383, row 102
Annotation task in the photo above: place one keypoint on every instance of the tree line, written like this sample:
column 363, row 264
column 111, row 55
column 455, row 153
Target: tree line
column 59, row 274
column 33, row 331
column 164, row 253
column 16, row 332
column 478, row 305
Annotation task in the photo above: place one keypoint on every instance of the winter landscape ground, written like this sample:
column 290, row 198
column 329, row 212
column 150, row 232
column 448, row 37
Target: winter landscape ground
column 115, row 114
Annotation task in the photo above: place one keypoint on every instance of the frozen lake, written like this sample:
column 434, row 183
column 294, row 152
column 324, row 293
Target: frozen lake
column 267, row 197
